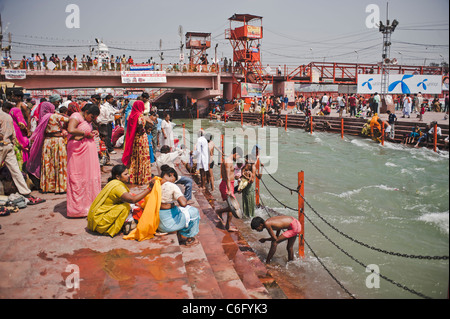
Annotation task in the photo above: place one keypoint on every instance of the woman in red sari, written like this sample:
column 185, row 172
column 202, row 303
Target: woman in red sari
column 136, row 155
column 83, row 167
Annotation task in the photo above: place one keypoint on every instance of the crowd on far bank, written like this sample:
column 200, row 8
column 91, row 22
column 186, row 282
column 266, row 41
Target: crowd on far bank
column 355, row 105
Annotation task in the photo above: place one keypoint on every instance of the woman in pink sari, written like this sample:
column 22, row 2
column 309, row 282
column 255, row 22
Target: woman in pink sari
column 83, row 167
column 20, row 127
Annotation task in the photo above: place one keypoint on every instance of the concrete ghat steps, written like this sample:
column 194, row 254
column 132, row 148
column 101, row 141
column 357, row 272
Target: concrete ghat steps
column 39, row 244
column 352, row 126
column 216, row 267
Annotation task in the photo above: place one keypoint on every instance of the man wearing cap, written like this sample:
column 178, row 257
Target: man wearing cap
column 55, row 99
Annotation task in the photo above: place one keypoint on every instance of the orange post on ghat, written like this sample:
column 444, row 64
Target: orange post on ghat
column 301, row 215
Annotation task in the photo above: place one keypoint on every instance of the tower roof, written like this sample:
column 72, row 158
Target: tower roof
column 244, row 17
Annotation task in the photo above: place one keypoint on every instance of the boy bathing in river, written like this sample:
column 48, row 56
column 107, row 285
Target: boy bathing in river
column 277, row 223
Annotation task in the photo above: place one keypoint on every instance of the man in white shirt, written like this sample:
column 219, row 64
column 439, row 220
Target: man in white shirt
column 105, row 121
column 407, row 102
column 168, row 158
column 377, row 101
column 67, row 102
column 324, row 100
column 145, row 97
column 438, row 131
column 202, row 154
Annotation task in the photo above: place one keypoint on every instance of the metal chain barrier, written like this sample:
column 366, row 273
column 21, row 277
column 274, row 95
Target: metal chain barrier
column 329, row 272
column 365, row 266
column 343, row 251
column 348, row 236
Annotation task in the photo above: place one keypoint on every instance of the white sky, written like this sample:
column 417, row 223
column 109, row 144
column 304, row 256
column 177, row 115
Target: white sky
column 295, row 31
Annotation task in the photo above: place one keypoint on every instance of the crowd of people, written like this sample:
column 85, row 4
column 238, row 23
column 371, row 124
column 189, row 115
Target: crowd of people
column 355, row 105
column 68, row 63
column 61, row 147
column 36, row 61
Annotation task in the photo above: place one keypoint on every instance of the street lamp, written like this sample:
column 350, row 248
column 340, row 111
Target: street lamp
column 386, row 30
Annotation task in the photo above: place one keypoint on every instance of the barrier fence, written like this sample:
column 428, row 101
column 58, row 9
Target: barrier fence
column 342, row 126
column 301, row 211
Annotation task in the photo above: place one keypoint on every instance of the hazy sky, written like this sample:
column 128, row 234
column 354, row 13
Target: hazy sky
column 295, row 31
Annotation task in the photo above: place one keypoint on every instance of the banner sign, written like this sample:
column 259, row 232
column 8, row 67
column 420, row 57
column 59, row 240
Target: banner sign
column 143, row 77
column 142, row 67
column 253, row 32
column 401, row 84
column 15, row 74
column 251, row 90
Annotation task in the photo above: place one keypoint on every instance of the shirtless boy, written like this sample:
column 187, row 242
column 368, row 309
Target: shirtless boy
column 226, row 186
column 212, row 146
column 277, row 223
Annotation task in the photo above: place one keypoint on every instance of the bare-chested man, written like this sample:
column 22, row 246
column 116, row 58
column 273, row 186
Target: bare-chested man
column 277, row 223
column 212, row 146
column 226, row 186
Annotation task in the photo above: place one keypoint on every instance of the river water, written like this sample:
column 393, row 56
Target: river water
column 392, row 197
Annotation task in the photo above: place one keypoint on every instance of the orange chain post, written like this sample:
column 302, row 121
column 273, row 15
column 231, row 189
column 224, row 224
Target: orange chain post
column 257, row 183
column 301, row 216
column 184, row 135
column 435, row 137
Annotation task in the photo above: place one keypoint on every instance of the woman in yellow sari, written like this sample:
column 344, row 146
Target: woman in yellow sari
column 111, row 208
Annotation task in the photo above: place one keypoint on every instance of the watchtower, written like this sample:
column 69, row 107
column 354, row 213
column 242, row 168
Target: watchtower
column 198, row 43
column 245, row 35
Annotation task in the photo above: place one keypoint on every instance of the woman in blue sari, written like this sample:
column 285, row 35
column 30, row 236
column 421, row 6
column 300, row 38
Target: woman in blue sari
column 127, row 113
column 148, row 130
column 183, row 219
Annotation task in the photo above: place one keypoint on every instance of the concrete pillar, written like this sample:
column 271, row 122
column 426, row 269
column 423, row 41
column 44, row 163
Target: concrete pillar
column 284, row 88
column 278, row 88
column 202, row 105
column 228, row 91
